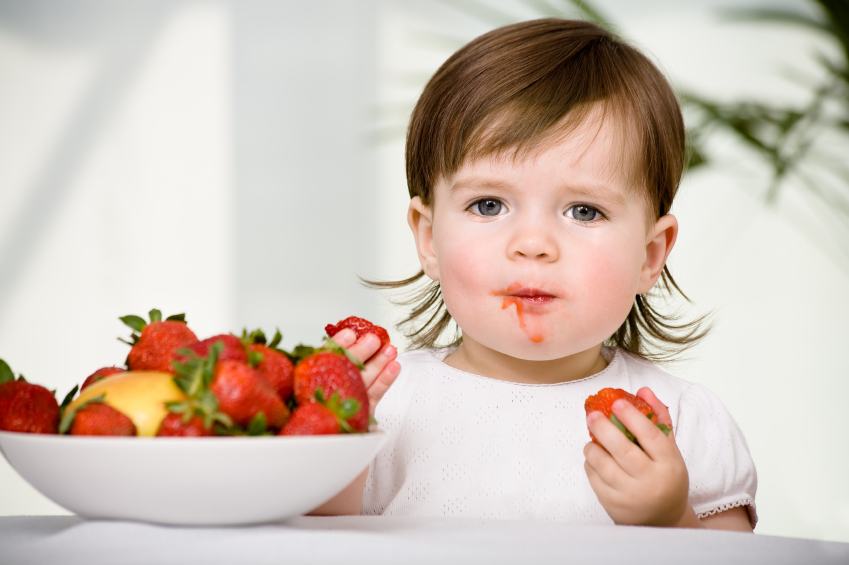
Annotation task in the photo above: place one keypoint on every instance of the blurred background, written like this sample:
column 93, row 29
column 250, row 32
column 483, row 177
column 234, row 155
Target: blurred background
column 242, row 161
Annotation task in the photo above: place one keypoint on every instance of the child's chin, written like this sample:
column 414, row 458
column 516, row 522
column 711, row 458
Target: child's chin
column 534, row 351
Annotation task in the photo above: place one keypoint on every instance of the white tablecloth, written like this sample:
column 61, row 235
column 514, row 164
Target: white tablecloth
column 66, row 540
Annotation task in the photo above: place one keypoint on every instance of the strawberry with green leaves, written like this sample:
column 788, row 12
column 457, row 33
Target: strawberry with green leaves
column 322, row 417
column 227, row 395
column 24, row 406
column 333, row 372
column 272, row 363
column 603, row 400
column 154, row 344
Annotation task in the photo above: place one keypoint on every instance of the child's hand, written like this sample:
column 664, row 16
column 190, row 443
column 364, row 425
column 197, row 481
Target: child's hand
column 381, row 369
column 647, row 486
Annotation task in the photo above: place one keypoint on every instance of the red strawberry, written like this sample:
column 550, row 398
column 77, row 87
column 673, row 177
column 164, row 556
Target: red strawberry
column 98, row 419
column 321, row 417
column 332, row 372
column 242, row 394
column 311, row 419
column 272, row 363
column 603, row 400
column 155, row 345
column 361, row 326
column 232, row 348
column 26, row 407
column 175, row 425
column 101, row 373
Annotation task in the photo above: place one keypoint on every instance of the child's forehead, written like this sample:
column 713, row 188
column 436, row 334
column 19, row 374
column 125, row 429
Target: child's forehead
column 593, row 148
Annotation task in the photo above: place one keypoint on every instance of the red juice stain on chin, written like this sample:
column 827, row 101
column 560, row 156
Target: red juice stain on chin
column 506, row 302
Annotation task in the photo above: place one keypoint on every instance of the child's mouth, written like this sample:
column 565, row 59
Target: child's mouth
column 538, row 299
column 517, row 292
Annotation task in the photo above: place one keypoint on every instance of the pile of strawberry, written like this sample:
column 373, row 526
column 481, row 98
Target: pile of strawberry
column 232, row 385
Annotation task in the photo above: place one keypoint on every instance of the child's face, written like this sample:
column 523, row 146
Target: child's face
column 542, row 257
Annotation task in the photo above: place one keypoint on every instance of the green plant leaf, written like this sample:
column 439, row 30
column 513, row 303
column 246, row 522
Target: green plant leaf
column 774, row 16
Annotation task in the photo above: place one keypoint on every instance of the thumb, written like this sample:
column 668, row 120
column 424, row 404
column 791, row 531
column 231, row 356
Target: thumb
column 659, row 407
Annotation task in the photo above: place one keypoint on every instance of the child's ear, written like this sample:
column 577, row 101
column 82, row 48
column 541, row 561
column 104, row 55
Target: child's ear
column 658, row 245
column 420, row 218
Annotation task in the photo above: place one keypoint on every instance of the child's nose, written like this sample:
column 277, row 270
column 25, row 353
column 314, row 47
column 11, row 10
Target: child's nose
column 533, row 242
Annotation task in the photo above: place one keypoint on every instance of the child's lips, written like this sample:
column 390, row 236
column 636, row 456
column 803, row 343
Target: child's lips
column 536, row 299
column 529, row 296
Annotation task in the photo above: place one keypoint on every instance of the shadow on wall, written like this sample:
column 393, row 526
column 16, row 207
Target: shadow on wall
column 121, row 34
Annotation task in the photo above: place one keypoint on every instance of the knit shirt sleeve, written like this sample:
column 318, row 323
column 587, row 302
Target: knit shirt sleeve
column 722, row 473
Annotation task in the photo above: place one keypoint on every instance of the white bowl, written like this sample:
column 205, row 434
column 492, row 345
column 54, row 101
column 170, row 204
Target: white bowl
column 190, row 481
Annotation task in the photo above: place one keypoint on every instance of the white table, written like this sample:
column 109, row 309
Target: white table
column 68, row 540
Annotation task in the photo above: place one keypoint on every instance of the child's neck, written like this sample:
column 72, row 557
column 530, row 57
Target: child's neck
column 475, row 358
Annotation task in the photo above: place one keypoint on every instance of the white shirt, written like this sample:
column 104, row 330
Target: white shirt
column 461, row 444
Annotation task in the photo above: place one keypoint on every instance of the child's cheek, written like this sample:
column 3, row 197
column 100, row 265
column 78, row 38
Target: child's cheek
column 609, row 285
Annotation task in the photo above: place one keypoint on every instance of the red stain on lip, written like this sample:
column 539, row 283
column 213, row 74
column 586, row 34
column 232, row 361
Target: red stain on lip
column 518, row 302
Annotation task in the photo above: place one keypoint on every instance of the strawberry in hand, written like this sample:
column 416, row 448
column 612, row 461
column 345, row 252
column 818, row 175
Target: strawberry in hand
column 360, row 326
column 603, row 400
column 641, row 482
column 154, row 344
column 369, row 345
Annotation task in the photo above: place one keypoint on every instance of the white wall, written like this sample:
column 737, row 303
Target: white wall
column 243, row 161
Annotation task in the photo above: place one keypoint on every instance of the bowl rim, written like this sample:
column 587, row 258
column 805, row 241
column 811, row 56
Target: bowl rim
column 66, row 439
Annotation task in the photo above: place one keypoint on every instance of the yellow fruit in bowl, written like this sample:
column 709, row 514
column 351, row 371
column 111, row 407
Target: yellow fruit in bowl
column 140, row 395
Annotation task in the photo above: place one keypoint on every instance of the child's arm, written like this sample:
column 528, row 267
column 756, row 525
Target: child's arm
column 380, row 372
column 646, row 484
column 347, row 502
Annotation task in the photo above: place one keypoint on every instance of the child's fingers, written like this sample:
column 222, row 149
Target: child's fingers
column 661, row 409
column 345, row 338
column 382, row 383
column 364, row 347
column 378, row 364
column 623, row 452
column 605, row 493
column 653, row 442
column 603, row 464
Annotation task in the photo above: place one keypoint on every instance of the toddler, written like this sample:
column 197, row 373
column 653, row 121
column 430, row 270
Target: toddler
column 542, row 161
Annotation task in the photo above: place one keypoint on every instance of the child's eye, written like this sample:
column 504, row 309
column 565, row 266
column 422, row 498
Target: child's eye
column 487, row 207
column 584, row 213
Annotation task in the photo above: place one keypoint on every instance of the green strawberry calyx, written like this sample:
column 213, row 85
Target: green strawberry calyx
column 194, row 377
column 343, row 409
column 302, row 351
column 618, row 423
column 6, row 373
column 257, row 336
column 138, row 324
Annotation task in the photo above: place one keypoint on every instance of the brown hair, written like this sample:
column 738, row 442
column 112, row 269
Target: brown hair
column 510, row 90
